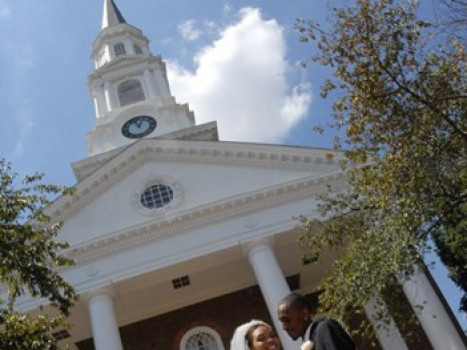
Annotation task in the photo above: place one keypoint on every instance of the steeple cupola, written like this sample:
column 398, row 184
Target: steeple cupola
column 117, row 38
column 129, row 88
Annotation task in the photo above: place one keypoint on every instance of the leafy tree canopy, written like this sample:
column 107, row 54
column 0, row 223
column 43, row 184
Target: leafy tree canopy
column 29, row 259
column 400, row 103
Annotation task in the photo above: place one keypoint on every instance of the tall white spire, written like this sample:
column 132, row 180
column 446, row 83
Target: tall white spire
column 129, row 88
column 111, row 15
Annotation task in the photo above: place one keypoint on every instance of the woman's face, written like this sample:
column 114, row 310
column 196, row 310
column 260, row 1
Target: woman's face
column 264, row 338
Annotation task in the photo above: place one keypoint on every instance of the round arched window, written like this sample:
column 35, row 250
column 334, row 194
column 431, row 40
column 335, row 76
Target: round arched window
column 201, row 338
column 156, row 196
column 130, row 91
column 201, row 341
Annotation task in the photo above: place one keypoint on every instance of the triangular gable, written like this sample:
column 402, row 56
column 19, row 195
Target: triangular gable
column 205, row 176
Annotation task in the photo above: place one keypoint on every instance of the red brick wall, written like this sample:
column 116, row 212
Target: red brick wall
column 164, row 332
column 223, row 314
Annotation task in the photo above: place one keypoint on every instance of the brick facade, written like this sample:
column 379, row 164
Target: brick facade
column 223, row 314
column 164, row 332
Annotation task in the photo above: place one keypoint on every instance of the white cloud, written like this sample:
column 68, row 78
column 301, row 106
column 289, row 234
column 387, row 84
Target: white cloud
column 296, row 104
column 4, row 10
column 188, row 31
column 240, row 81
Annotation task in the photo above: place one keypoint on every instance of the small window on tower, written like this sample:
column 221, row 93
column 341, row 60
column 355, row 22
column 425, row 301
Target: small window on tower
column 119, row 49
column 130, row 91
column 138, row 50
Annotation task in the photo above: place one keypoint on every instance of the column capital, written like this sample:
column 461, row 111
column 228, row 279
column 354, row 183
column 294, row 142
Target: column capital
column 249, row 247
column 105, row 291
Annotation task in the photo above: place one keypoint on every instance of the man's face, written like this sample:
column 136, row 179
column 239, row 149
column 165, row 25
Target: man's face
column 294, row 321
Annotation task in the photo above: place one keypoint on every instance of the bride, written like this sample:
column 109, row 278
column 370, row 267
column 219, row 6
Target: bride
column 255, row 335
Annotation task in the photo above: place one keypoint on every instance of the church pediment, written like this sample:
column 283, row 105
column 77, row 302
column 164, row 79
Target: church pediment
column 209, row 181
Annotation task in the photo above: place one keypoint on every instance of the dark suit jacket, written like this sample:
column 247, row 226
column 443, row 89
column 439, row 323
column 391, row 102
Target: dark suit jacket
column 327, row 334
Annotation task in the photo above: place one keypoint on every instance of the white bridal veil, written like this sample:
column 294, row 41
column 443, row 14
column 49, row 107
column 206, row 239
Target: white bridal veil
column 239, row 341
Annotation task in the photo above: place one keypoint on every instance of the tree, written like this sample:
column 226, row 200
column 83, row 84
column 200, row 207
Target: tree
column 400, row 107
column 452, row 17
column 29, row 259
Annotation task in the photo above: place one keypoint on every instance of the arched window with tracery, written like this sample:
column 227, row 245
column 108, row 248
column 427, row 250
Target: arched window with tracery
column 130, row 91
column 201, row 338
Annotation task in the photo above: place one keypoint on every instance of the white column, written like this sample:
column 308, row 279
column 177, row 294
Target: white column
column 271, row 281
column 389, row 336
column 99, row 100
column 96, row 106
column 150, row 83
column 109, row 100
column 432, row 314
column 129, row 48
column 161, row 81
column 104, row 324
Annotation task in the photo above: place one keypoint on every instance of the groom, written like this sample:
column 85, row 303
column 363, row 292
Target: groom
column 294, row 313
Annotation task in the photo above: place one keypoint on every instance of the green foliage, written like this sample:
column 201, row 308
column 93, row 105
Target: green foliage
column 402, row 106
column 29, row 258
column 451, row 244
column 22, row 332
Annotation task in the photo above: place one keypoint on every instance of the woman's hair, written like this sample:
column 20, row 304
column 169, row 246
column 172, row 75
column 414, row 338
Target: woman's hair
column 249, row 334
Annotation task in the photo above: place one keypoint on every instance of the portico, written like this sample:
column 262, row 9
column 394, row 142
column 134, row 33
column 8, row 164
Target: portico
column 246, row 263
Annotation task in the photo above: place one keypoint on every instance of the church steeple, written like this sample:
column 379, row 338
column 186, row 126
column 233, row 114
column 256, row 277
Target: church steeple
column 117, row 37
column 129, row 88
column 111, row 15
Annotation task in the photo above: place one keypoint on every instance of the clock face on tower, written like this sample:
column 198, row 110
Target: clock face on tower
column 139, row 126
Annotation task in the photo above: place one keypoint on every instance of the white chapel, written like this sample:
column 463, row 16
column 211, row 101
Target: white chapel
column 179, row 237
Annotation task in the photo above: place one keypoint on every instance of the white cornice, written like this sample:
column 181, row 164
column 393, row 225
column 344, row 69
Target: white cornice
column 211, row 214
column 120, row 29
column 145, row 106
column 132, row 63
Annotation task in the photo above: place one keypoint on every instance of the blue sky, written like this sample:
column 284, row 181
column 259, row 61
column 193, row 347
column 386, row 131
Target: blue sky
column 236, row 62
